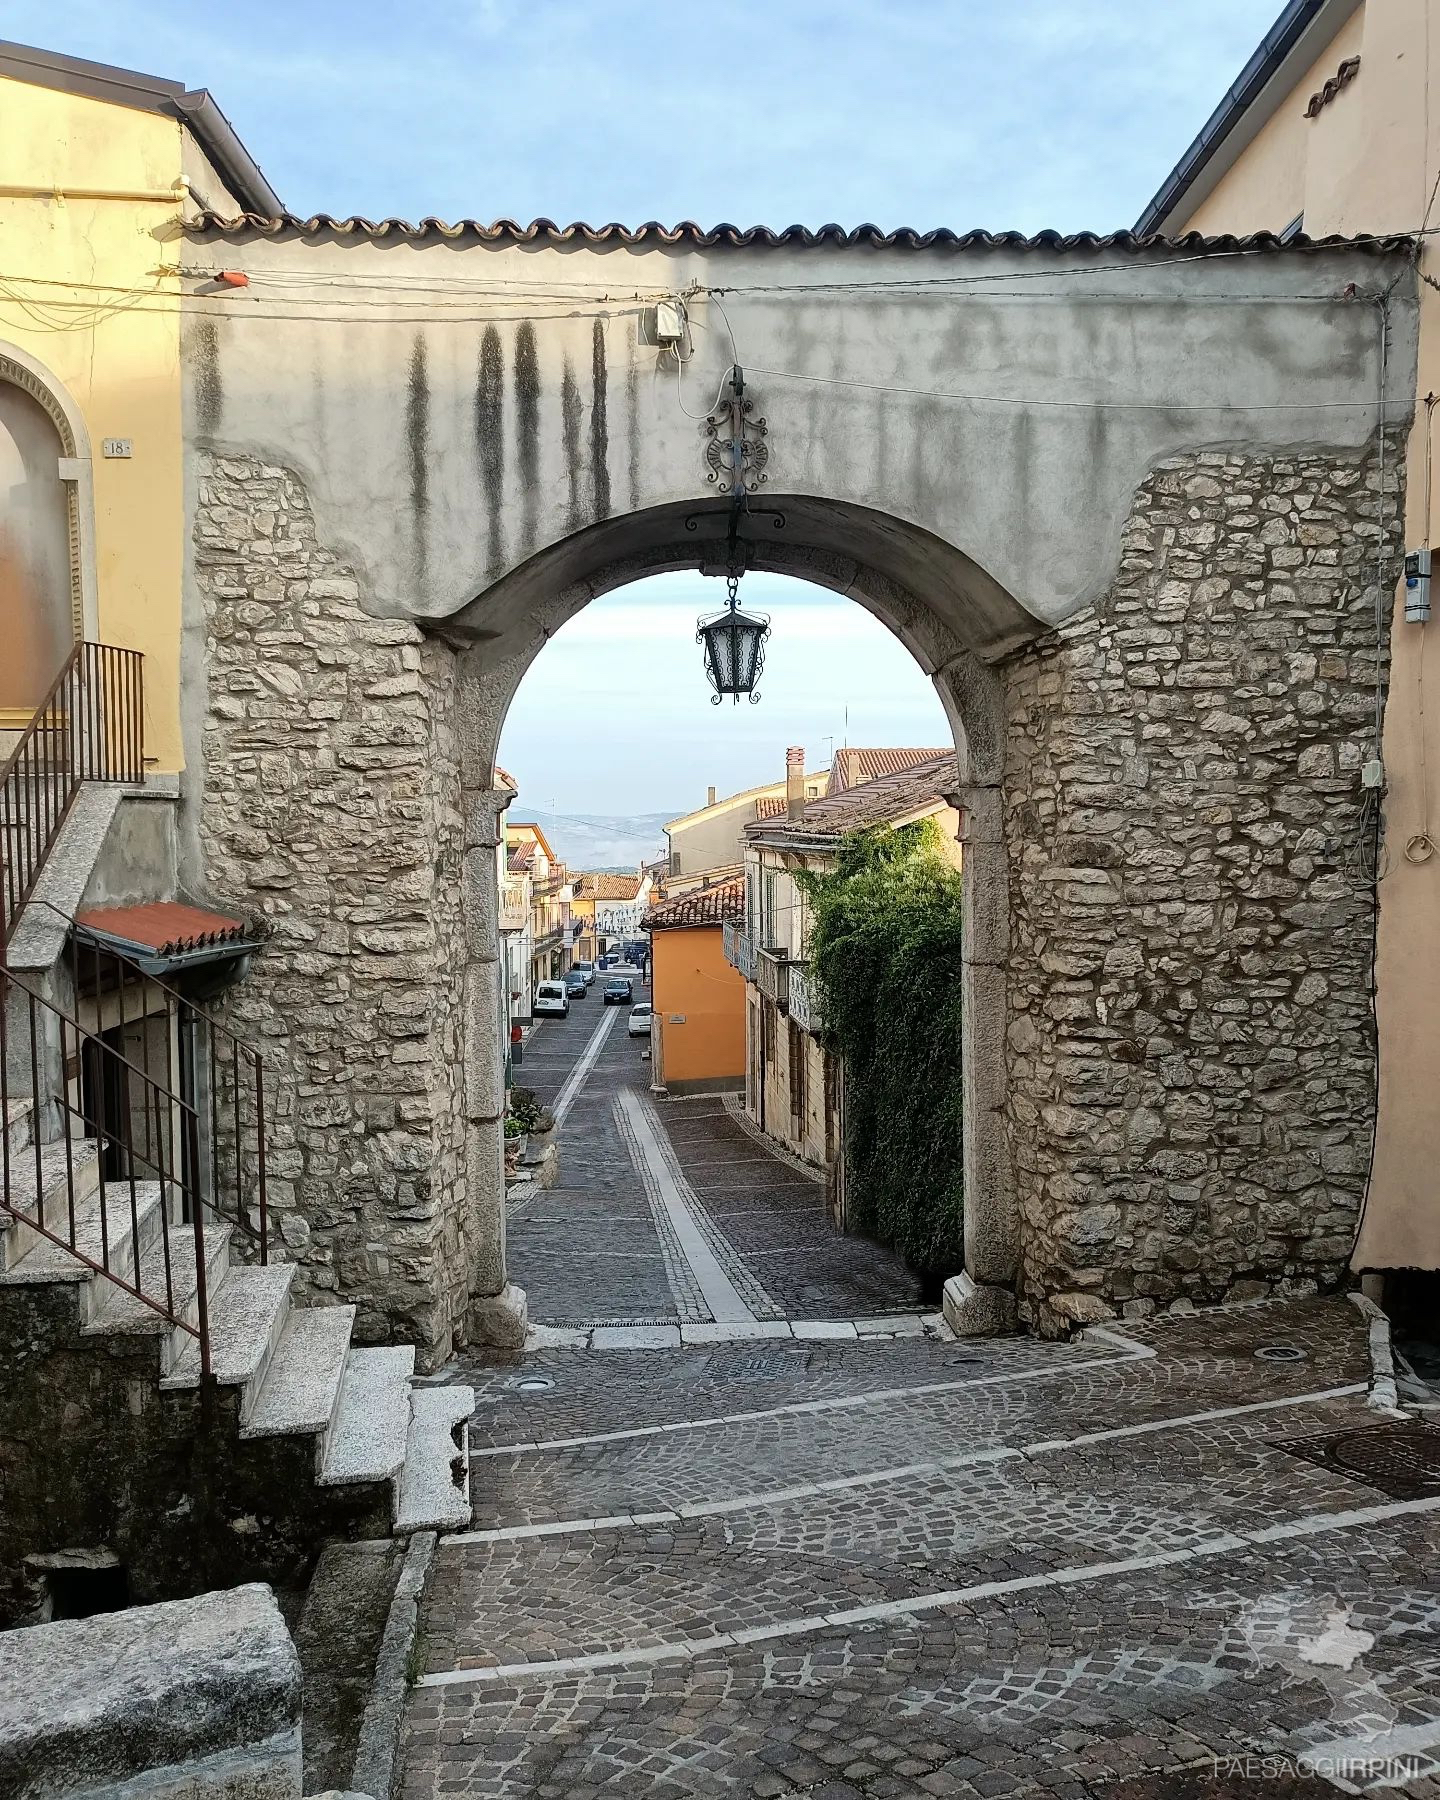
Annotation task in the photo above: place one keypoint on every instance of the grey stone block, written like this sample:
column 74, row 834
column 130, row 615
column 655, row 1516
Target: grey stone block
column 191, row 1697
column 975, row 1311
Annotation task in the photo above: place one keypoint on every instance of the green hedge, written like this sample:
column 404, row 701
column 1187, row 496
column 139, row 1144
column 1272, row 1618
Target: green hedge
column 885, row 952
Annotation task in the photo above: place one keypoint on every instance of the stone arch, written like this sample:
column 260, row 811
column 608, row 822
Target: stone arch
column 20, row 370
column 952, row 617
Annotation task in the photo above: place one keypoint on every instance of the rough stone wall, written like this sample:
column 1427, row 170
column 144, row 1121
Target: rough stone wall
column 1192, row 1053
column 330, row 810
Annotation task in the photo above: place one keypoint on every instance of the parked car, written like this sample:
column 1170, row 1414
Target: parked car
column 618, row 991
column 587, row 969
column 607, row 962
column 640, row 1017
column 576, row 986
column 550, row 997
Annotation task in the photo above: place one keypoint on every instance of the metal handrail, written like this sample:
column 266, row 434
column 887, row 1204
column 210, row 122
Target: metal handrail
column 88, row 727
column 167, row 1109
column 186, row 1181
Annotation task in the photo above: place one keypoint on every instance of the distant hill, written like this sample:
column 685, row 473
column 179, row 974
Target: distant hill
column 590, row 841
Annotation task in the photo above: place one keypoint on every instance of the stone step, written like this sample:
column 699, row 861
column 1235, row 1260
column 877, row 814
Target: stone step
column 302, row 1385
column 20, row 1124
column 106, row 1231
column 427, row 1494
column 367, row 1437
column 123, row 1314
column 18, row 1239
column 248, row 1313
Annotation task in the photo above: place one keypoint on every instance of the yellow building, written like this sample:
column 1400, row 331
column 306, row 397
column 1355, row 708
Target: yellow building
column 697, row 1039
column 99, row 167
column 1330, row 129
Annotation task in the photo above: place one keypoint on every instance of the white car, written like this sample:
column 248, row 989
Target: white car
column 550, row 997
column 587, row 969
column 640, row 1015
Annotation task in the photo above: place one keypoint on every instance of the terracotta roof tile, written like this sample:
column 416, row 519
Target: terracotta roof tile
column 713, row 905
column 520, row 855
column 508, row 231
column 164, row 926
column 770, row 806
column 600, row 886
column 852, row 766
column 871, row 803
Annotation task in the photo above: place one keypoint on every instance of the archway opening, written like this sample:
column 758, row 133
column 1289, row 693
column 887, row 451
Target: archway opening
column 613, row 616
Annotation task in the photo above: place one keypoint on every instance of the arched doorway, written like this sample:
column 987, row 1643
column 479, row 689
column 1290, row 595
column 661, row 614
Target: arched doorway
column 45, row 593
column 947, row 612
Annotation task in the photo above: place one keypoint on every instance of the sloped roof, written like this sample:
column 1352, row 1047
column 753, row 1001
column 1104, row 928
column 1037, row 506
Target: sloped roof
column 149, row 93
column 852, row 766
column 687, row 232
column 601, row 886
column 519, row 855
column 770, row 806
column 712, row 905
column 166, row 927
column 877, row 802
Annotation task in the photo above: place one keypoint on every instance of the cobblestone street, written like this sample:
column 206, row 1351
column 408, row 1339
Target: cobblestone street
column 677, row 1212
column 893, row 1565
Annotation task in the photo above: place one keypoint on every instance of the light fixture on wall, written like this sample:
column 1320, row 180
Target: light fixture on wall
column 736, row 452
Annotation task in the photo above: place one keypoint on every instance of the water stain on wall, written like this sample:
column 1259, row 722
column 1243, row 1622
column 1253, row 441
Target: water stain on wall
column 632, row 446
column 490, row 443
column 417, row 442
column 527, row 422
column 599, row 423
column 209, row 386
column 570, row 410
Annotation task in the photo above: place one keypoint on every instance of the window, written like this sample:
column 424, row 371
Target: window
column 797, row 1072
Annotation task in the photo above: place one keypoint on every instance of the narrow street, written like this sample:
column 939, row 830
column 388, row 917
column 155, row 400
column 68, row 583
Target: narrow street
column 747, row 1523
column 677, row 1213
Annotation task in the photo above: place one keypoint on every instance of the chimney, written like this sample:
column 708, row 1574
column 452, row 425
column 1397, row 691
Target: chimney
column 710, row 796
column 794, row 781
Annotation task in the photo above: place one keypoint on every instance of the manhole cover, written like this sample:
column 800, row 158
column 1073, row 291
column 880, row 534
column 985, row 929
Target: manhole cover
column 534, row 1384
column 755, row 1365
column 1281, row 1353
column 1401, row 1460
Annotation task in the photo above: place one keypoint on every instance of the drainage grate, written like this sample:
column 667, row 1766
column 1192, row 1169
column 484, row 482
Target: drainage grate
column 1402, row 1461
column 1281, row 1353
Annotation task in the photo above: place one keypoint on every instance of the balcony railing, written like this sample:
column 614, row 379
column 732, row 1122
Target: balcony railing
column 87, row 728
column 772, row 976
column 804, row 1002
column 739, row 949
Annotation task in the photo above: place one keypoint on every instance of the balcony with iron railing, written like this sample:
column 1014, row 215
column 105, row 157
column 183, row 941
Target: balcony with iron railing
column 804, row 999
column 772, row 975
column 88, row 727
column 739, row 948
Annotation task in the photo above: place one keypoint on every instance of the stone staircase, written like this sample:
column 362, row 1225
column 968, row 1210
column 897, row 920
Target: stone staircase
column 285, row 1374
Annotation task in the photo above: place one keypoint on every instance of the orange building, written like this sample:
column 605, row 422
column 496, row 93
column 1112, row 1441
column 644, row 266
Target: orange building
column 697, row 1040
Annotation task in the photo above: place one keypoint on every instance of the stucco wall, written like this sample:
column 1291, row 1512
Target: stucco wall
column 701, row 1001
column 118, row 362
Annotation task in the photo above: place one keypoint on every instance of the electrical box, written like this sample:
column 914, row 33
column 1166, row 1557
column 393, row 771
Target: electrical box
column 670, row 324
column 1417, row 587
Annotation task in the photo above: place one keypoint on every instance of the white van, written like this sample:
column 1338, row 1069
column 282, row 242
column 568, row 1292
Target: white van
column 550, row 997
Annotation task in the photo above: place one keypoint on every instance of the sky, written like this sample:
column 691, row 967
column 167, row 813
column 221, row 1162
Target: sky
column 1007, row 114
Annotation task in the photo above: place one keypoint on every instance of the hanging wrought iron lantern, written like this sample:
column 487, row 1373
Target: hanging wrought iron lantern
column 734, row 643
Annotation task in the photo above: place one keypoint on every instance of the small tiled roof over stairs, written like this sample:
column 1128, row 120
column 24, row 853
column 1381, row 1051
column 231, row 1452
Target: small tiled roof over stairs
column 291, row 1369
